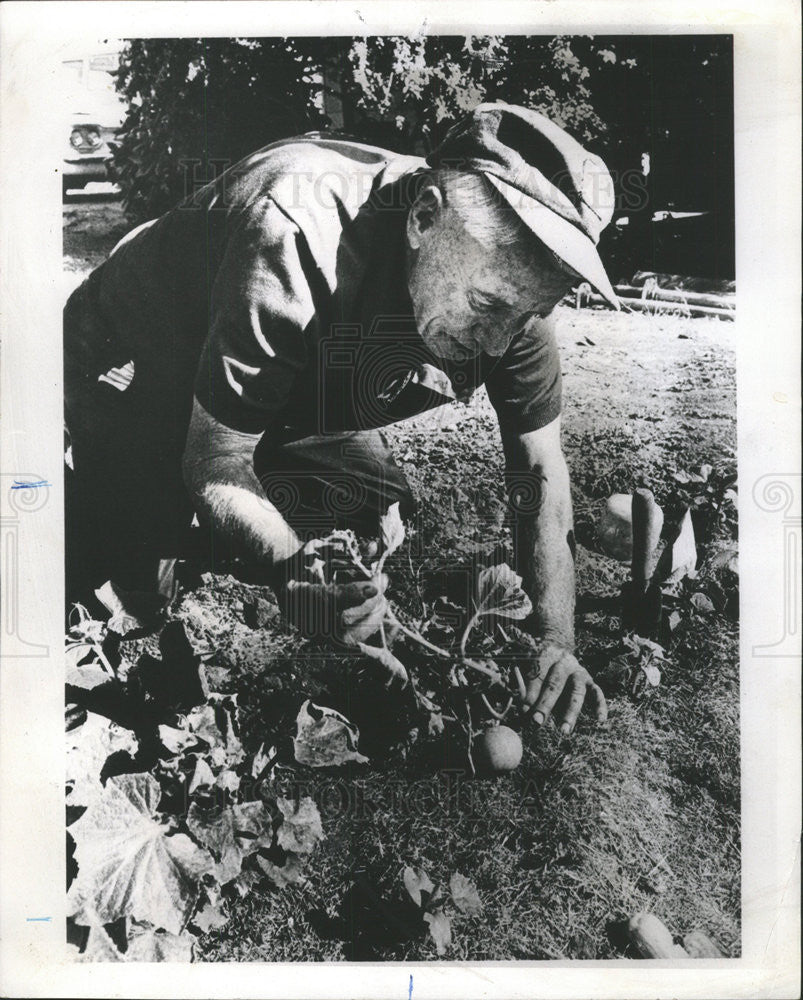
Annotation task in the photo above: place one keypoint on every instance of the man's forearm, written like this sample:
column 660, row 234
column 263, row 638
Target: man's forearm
column 230, row 497
column 219, row 475
column 544, row 553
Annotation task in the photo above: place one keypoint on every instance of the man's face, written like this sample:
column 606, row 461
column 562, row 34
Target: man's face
column 469, row 299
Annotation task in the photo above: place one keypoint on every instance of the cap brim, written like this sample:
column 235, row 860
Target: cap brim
column 562, row 238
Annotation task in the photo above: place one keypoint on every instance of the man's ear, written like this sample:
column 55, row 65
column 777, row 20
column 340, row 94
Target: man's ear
column 423, row 214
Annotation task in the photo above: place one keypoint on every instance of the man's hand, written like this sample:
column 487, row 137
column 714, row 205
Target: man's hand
column 560, row 687
column 346, row 611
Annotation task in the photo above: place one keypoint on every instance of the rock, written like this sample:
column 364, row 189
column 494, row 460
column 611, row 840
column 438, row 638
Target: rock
column 615, row 529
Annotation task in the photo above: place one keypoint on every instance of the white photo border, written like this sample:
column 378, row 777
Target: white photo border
column 33, row 955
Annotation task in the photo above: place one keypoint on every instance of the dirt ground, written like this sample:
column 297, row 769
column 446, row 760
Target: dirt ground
column 643, row 814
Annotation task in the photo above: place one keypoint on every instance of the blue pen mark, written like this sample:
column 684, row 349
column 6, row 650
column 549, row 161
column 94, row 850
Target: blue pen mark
column 32, row 920
column 410, row 990
column 26, row 486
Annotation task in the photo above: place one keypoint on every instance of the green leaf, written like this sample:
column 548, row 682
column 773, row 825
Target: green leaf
column 465, row 895
column 440, row 930
column 147, row 944
column 325, row 738
column 499, row 592
column 202, row 777
column 245, row 882
column 75, row 652
column 215, row 829
column 210, row 917
column 129, row 864
column 88, row 676
column 253, row 826
column 82, row 626
column 130, row 610
column 392, row 528
column 417, row 882
column 88, row 748
column 301, row 827
column 290, row 873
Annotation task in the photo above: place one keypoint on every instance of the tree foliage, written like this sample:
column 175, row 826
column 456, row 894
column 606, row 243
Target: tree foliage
column 199, row 105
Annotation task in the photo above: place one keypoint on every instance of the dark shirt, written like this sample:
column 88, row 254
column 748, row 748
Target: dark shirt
column 278, row 295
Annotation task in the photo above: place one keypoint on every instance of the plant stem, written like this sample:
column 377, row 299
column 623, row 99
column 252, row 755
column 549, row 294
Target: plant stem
column 412, row 634
column 464, row 639
column 497, row 715
column 104, row 660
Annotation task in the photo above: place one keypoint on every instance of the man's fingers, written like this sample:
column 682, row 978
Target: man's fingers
column 597, row 699
column 576, row 696
column 355, row 613
column 550, row 692
column 366, row 627
column 533, row 687
column 348, row 595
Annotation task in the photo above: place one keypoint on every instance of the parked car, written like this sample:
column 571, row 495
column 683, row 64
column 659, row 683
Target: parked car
column 94, row 114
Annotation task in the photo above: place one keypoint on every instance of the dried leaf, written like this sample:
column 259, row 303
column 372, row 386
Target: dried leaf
column 392, row 667
column 325, row 738
column 440, row 930
column 417, row 882
column 392, row 530
column 131, row 610
column 225, row 749
column 128, row 865
column 645, row 648
column 499, row 592
column 210, row 918
column 465, row 895
column 652, row 673
column 257, row 613
column 684, row 552
column 703, row 603
column 301, row 827
column 674, row 620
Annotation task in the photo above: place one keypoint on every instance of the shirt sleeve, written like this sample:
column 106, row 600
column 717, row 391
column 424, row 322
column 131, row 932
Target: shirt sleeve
column 260, row 306
column 525, row 386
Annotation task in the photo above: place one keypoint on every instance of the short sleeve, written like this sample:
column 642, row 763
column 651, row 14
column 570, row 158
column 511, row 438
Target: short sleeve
column 260, row 306
column 525, row 386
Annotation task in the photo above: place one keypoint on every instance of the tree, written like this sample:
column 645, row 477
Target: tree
column 198, row 105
